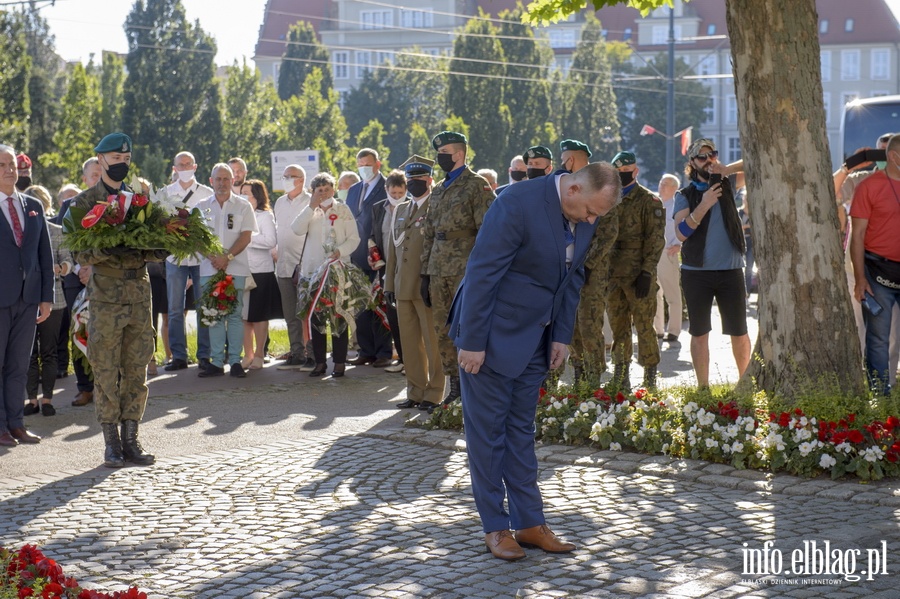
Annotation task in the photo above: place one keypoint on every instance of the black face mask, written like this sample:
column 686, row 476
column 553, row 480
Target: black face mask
column 417, row 187
column 627, row 178
column 446, row 162
column 517, row 175
column 118, row 171
column 23, row 183
column 534, row 173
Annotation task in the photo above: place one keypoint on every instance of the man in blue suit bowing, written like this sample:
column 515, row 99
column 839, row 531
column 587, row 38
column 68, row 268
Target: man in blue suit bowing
column 26, row 295
column 511, row 321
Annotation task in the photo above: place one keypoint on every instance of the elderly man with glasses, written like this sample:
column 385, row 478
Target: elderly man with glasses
column 712, row 257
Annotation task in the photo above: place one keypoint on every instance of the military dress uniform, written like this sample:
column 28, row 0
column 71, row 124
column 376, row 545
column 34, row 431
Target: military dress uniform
column 454, row 216
column 422, row 360
column 120, row 335
column 637, row 249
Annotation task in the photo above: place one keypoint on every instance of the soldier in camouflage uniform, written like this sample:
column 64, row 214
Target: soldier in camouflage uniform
column 120, row 335
column 588, row 351
column 455, row 212
column 632, row 280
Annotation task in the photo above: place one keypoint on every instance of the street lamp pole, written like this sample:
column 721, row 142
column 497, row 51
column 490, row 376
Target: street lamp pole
column 670, row 104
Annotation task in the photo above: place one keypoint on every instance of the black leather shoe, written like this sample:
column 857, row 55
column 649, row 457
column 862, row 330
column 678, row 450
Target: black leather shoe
column 237, row 371
column 31, row 408
column 428, row 406
column 175, row 364
column 403, row 405
column 320, row 370
column 382, row 363
column 211, row 370
column 204, row 363
column 362, row 360
column 47, row 409
column 338, row 371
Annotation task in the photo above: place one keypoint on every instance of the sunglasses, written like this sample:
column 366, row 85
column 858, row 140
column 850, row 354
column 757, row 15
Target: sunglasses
column 706, row 156
column 885, row 138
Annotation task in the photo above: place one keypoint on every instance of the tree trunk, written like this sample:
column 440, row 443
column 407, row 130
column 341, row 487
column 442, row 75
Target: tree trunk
column 807, row 333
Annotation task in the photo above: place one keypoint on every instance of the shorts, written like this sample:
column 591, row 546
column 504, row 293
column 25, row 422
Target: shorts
column 727, row 287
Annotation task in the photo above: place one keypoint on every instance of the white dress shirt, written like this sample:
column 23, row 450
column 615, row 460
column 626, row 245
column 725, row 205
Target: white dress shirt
column 290, row 245
column 227, row 222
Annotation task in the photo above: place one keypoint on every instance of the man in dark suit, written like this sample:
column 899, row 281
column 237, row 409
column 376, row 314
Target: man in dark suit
column 373, row 337
column 511, row 321
column 26, row 296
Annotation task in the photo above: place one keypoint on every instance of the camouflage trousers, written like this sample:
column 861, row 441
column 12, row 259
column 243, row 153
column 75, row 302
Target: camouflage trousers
column 442, row 290
column 588, row 343
column 120, row 344
column 625, row 311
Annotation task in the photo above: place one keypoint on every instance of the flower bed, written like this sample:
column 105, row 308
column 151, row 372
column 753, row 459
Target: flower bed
column 29, row 573
column 712, row 430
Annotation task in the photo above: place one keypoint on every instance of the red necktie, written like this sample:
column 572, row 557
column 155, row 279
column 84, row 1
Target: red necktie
column 16, row 223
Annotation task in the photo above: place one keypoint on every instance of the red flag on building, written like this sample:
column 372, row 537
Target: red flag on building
column 685, row 140
column 647, row 130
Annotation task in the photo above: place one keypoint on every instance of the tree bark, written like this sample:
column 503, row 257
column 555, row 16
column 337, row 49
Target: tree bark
column 807, row 333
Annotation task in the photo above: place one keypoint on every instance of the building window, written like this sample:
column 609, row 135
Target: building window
column 708, row 66
column 627, row 35
column 661, row 34
column 826, row 102
column 850, row 65
column 848, row 25
column 416, row 18
column 384, row 58
column 339, row 67
column 823, row 26
column 825, row 59
column 376, row 19
column 710, row 111
column 342, row 97
column 880, row 92
column 363, row 64
column 432, row 51
column 734, row 149
column 562, row 38
column 276, row 70
column 731, row 110
column 711, row 29
column 881, row 64
column 848, row 97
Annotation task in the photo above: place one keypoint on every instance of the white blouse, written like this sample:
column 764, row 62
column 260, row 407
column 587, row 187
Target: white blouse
column 260, row 249
column 318, row 224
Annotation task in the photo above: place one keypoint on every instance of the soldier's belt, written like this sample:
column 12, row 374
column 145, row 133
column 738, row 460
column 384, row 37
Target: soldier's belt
column 451, row 235
column 120, row 273
column 628, row 245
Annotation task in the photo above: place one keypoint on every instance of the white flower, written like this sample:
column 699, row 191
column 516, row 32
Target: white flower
column 803, row 421
column 826, row 461
column 584, row 408
column 805, row 448
column 665, row 448
column 710, row 443
column 737, row 447
column 615, row 446
column 557, row 405
column 844, row 447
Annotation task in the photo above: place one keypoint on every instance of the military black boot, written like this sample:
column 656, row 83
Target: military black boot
column 621, row 377
column 649, row 377
column 454, row 392
column 112, row 457
column 131, row 448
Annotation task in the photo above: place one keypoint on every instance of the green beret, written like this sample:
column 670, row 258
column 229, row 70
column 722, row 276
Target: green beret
column 448, row 137
column 114, row 142
column 416, row 166
column 568, row 145
column 537, row 152
column 624, row 159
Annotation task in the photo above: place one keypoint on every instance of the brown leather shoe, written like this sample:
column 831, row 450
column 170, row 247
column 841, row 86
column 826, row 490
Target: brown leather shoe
column 502, row 544
column 7, row 440
column 23, row 436
column 543, row 538
column 84, row 398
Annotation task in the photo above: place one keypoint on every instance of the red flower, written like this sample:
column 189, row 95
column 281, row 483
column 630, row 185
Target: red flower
column 620, row 397
column 891, row 456
column 892, row 422
column 852, row 418
column 49, row 569
column 856, row 436
column 839, row 437
column 93, row 216
column 26, row 592
column 784, row 419
column 640, row 393
column 139, row 200
column 798, row 411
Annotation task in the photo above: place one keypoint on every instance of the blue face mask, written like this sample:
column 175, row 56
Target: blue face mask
column 881, row 165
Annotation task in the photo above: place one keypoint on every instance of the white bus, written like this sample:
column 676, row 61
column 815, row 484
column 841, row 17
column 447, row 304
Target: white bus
column 867, row 119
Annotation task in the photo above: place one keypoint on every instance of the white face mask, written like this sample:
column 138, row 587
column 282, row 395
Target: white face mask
column 342, row 194
column 366, row 172
column 185, row 176
column 394, row 202
column 288, row 184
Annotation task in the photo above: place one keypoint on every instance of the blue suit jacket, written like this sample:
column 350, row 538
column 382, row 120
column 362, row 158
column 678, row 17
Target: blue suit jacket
column 516, row 282
column 26, row 272
column 364, row 217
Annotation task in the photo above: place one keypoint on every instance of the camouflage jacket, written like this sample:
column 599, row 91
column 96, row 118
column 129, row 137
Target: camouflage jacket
column 454, row 217
column 601, row 245
column 642, row 234
column 118, row 276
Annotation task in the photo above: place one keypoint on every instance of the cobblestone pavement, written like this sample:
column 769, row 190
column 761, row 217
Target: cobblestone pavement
column 390, row 514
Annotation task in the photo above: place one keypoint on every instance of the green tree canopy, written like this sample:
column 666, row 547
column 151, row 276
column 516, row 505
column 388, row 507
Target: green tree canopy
column 249, row 129
column 15, row 72
column 303, row 53
column 172, row 98
column 372, row 136
column 112, row 92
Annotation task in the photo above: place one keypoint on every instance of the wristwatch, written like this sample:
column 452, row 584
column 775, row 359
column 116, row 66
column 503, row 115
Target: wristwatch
column 230, row 256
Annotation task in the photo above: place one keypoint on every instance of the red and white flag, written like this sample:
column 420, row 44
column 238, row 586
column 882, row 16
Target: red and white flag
column 647, row 130
column 685, row 140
